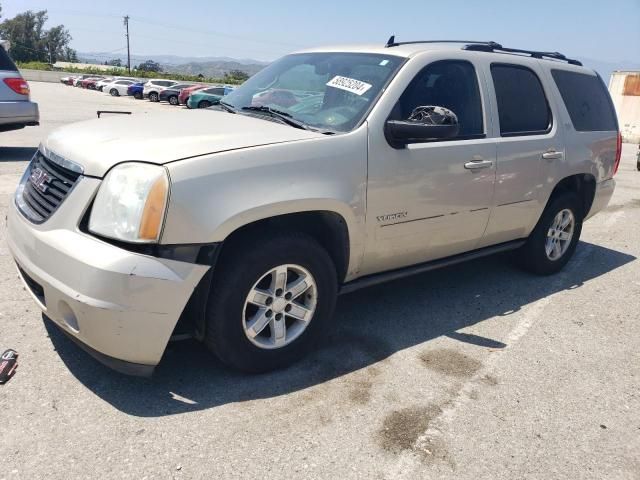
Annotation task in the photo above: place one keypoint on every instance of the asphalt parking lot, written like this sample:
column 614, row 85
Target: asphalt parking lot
column 476, row 371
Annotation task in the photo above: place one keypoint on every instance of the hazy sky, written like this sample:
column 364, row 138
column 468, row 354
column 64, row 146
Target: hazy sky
column 602, row 30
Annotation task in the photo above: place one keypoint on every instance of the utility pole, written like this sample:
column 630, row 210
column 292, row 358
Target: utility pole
column 126, row 26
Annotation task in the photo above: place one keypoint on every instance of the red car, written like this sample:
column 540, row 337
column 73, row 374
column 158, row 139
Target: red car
column 186, row 92
column 90, row 82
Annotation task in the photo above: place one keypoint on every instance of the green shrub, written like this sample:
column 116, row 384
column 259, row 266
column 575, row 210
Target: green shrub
column 134, row 73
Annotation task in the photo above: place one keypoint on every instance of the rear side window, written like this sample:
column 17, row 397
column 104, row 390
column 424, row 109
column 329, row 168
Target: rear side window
column 587, row 101
column 5, row 62
column 522, row 104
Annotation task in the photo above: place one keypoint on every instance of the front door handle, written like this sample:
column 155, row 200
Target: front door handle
column 478, row 164
column 551, row 155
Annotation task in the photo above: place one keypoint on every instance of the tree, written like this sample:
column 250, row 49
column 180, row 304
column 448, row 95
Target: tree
column 236, row 76
column 115, row 62
column 149, row 66
column 31, row 42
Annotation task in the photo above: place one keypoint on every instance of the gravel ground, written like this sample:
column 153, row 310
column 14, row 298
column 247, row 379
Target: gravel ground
column 476, row 371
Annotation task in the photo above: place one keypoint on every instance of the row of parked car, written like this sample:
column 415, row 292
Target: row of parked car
column 193, row 95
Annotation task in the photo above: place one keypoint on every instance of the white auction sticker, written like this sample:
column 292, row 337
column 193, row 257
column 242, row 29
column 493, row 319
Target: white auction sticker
column 349, row 84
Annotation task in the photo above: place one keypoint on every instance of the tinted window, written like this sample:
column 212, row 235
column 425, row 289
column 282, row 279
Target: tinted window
column 522, row 105
column 450, row 84
column 215, row 91
column 5, row 61
column 587, row 101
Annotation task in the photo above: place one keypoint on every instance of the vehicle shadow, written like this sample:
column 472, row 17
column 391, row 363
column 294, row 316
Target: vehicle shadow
column 371, row 325
column 16, row 154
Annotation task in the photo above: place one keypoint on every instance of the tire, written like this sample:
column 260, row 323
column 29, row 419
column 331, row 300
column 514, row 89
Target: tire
column 229, row 313
column 137, row 96
column 173, row 100
column 204, row 104
column 114, row 93
column 534, row 256
column 153, row 97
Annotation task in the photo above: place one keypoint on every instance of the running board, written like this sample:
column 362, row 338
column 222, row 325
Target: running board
column 382, row 277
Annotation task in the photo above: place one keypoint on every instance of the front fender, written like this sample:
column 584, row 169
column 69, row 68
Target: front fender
column 214, row 195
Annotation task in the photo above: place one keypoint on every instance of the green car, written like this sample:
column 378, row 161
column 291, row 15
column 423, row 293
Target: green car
column 206, row 97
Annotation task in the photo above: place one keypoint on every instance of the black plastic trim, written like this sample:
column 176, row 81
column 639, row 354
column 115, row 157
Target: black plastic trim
column 382, row 277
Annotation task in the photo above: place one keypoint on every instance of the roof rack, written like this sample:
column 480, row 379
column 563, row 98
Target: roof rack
column 481, row 46
column 392, row 42
column 496, row 47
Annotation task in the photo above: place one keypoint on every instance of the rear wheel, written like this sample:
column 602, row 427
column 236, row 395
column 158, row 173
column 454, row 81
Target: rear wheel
column 204, row 104
column 114, row 92
column 272, row 300
column 554, row 239
column 153, row 97
column 173, row 100
column 137, row 96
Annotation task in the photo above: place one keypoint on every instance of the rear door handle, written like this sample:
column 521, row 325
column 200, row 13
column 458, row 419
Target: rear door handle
column 551, row 155
column 478, row 164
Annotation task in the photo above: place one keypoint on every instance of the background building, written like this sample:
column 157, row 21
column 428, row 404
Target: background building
column 624, row 87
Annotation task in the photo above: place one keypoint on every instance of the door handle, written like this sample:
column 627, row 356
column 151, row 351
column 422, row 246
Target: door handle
column 478, row 164
column 551, row 155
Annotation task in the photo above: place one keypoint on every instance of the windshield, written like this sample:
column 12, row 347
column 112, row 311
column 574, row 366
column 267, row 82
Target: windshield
column 329, row 91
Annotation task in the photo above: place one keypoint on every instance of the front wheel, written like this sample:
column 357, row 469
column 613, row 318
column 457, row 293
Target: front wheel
column 554, row 239
column 114, row 92
column 204, row 104
column 153, row 97
column 173, row 100
column 272, row 300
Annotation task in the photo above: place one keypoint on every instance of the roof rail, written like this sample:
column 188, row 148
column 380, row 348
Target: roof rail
column 481, row 46
column 496, row 47
column 392, row 42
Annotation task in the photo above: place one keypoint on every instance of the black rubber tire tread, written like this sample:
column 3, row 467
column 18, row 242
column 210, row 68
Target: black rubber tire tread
column 532, row 256
column 241, row 265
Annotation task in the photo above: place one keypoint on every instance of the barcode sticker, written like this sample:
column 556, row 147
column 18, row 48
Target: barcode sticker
column 349, row 84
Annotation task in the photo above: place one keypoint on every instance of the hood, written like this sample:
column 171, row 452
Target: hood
column 99, row 144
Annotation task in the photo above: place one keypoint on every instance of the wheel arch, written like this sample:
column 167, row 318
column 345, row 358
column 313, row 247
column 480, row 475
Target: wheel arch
column 329, row 228
column 583, row 184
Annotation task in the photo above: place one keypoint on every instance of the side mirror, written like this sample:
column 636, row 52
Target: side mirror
column 424, row 124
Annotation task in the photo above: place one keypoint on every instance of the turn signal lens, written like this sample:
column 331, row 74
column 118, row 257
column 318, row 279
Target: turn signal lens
column 153, row 212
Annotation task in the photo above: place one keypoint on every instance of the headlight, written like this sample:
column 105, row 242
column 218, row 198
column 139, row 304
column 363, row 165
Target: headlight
column 131, row 203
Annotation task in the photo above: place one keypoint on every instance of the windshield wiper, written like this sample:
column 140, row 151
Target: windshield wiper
column 227, row 107
column 279, row 114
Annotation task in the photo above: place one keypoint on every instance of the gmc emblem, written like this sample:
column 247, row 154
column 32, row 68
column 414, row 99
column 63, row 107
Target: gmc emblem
column 40, row 179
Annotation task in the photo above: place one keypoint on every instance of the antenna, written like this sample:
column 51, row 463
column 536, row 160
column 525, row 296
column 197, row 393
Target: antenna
column 391, row 41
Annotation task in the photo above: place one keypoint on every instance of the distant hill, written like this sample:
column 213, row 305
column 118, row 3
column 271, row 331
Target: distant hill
column 208, row 66
column 213, row 68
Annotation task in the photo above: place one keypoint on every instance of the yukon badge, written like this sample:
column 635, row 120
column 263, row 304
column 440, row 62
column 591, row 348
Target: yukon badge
column 391, row 216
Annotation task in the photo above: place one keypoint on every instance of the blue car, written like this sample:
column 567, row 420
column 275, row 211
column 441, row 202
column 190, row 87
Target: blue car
column 136, row 90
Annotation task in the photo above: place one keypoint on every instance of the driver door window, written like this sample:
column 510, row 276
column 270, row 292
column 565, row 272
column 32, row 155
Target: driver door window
column 451, row 84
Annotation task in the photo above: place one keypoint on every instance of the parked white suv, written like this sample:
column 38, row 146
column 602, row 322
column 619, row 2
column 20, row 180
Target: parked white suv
column 152, row 88
column 329, row 170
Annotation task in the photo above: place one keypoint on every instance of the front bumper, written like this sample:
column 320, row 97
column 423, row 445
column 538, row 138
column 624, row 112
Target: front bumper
column 120, row 306
column 603, row 194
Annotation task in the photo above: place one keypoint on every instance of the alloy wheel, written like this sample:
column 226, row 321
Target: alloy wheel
column 560, row 234
column 279, row 306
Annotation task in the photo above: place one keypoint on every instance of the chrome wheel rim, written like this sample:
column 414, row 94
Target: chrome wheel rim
column 560, row 234
column 279, row 306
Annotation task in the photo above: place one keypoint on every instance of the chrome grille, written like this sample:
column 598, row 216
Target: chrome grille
column 44, row 187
